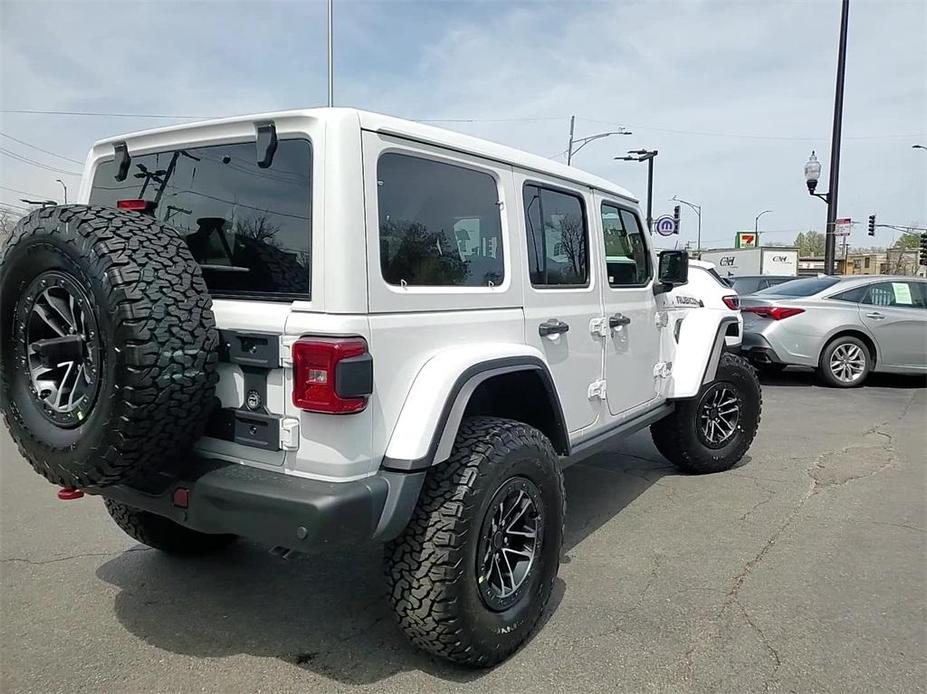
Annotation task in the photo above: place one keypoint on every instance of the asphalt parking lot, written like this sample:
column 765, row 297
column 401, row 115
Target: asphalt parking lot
column 804, row 569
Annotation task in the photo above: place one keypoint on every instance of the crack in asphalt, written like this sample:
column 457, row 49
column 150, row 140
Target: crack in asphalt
column 84, row 555
column 715, row 629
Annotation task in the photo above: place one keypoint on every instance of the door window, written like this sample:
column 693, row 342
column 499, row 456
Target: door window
column 894, row 294
column 440, row 224
column 557, row 237
column 626, row 255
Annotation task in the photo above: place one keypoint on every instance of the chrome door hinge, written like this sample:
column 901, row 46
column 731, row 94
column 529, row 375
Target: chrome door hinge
column 663, row 369
column 599, row 326
column 597, row 389
column 661, row 319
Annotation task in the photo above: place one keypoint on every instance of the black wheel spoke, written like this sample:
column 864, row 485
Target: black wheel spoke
column 719, row 413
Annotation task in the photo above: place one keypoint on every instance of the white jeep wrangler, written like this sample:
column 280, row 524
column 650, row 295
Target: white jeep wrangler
column 328, row 327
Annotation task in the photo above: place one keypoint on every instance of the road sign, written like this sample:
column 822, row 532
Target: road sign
column 746, row 239
column 665, row 225
column 842, row 226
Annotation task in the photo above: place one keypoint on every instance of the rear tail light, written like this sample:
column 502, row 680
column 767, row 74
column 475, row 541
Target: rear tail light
column 773, row 312
column 136, row 205
column 732, row 301
column 332, row 375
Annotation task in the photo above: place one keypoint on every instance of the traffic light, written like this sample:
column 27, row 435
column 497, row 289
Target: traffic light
column 923, row 258
column 676, row 217
column 872, row 225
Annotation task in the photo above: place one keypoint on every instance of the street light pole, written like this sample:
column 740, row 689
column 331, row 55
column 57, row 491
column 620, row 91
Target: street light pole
column 648, row 156
column 65, row 190
column 331, row 53
column 583, row 141
column 698, row 213
column 756, row 223
column 830, row 238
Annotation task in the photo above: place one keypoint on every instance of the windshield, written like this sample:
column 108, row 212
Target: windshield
column 806, row 286
column 248, row 228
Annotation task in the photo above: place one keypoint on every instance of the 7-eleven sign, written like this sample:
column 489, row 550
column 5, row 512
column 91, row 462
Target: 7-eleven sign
column 746, row 239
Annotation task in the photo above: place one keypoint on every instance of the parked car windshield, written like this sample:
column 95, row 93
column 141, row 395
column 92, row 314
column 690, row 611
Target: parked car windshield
column 806, row 286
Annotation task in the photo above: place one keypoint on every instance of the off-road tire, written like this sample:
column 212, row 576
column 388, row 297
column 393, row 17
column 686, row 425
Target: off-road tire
column 157, row 344
column 162, row 533
column 827, row 375
column 431, row 569
column 678, row 440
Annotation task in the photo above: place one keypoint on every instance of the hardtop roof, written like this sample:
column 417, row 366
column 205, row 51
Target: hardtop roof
column 413, row 130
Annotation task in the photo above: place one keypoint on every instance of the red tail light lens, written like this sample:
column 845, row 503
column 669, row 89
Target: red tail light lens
column 331, row 375
column 732, row 301
column 136, row 205
column 774, row 312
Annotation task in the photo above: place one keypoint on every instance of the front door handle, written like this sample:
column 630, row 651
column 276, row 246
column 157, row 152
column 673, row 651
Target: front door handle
column 618, row 320
column 875, row 315
column 552, row 327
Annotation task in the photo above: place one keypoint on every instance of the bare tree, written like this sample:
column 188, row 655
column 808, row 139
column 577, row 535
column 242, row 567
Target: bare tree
column 8, row 220
column 573, row 238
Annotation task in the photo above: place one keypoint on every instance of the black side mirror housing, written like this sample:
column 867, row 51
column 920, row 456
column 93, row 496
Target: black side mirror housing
column 673, row 269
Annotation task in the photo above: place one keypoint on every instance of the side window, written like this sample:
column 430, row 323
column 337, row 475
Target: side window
column 557, row 237
column 626, row 255
column 852, row 295
column 897, row 294
column 440, row 224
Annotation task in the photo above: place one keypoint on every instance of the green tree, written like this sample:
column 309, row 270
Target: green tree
column 810, row 243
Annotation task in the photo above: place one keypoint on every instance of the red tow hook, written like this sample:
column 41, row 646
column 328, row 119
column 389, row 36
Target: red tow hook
column 69, row 494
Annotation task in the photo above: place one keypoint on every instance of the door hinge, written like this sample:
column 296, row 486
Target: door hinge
column 597, row 389
column 599, row 326
column 662, row 319
column 662, row 369
column 289, row 434
column 286, row 349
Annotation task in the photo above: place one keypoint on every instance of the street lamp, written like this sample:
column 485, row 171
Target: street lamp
column 583, row 141
column 813, row 175
column 65, row 190
column 646, row 155
column 698, row 212
column 756, row 221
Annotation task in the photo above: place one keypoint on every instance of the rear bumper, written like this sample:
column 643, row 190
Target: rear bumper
column 280, row 509
column 757, row 349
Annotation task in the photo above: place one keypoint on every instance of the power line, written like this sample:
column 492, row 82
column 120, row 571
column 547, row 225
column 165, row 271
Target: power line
column 54, row 154
column 23, row 192
column 33, row 162
column 98, row 114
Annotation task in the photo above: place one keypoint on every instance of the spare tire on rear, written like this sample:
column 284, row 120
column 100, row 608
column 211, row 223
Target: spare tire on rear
column 109, row 345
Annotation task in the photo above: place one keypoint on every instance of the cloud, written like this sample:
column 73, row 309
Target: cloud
column 733, row 94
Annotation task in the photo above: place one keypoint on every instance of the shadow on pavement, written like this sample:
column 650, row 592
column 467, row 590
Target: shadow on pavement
column 804, row 376
column 328, row 613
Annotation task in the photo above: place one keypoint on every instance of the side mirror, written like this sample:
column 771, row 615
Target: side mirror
column 673, row 268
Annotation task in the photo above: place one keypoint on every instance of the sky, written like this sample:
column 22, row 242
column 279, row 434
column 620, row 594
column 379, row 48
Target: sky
column 733, row 95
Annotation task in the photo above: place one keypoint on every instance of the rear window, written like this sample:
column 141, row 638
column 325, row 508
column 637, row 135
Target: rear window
column 803, row 287
column 248, row 228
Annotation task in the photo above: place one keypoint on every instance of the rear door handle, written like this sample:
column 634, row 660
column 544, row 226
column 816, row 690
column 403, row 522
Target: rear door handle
column 618, row 320
column 875, row 315
column 552, row 327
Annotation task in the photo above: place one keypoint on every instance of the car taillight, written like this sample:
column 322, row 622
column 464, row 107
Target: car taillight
column 773, row 312
column 331, row 375
column 136, row 205
column 732, row 301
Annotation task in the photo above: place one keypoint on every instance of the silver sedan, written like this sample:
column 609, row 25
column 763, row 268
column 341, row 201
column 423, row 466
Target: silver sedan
column 846, row 327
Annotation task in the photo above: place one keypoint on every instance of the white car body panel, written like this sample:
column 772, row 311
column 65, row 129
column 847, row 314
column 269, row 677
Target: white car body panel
column 423, row 338
column 704, row 288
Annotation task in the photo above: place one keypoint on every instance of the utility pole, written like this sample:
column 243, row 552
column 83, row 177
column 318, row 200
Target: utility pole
column 830, row 239
column 331, row 53
column 570, row 148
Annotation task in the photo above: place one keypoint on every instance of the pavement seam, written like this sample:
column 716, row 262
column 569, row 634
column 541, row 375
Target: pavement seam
column 33, row 562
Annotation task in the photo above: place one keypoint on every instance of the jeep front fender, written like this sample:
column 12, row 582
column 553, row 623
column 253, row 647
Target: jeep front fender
column 693, row 344
column 427, row 425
